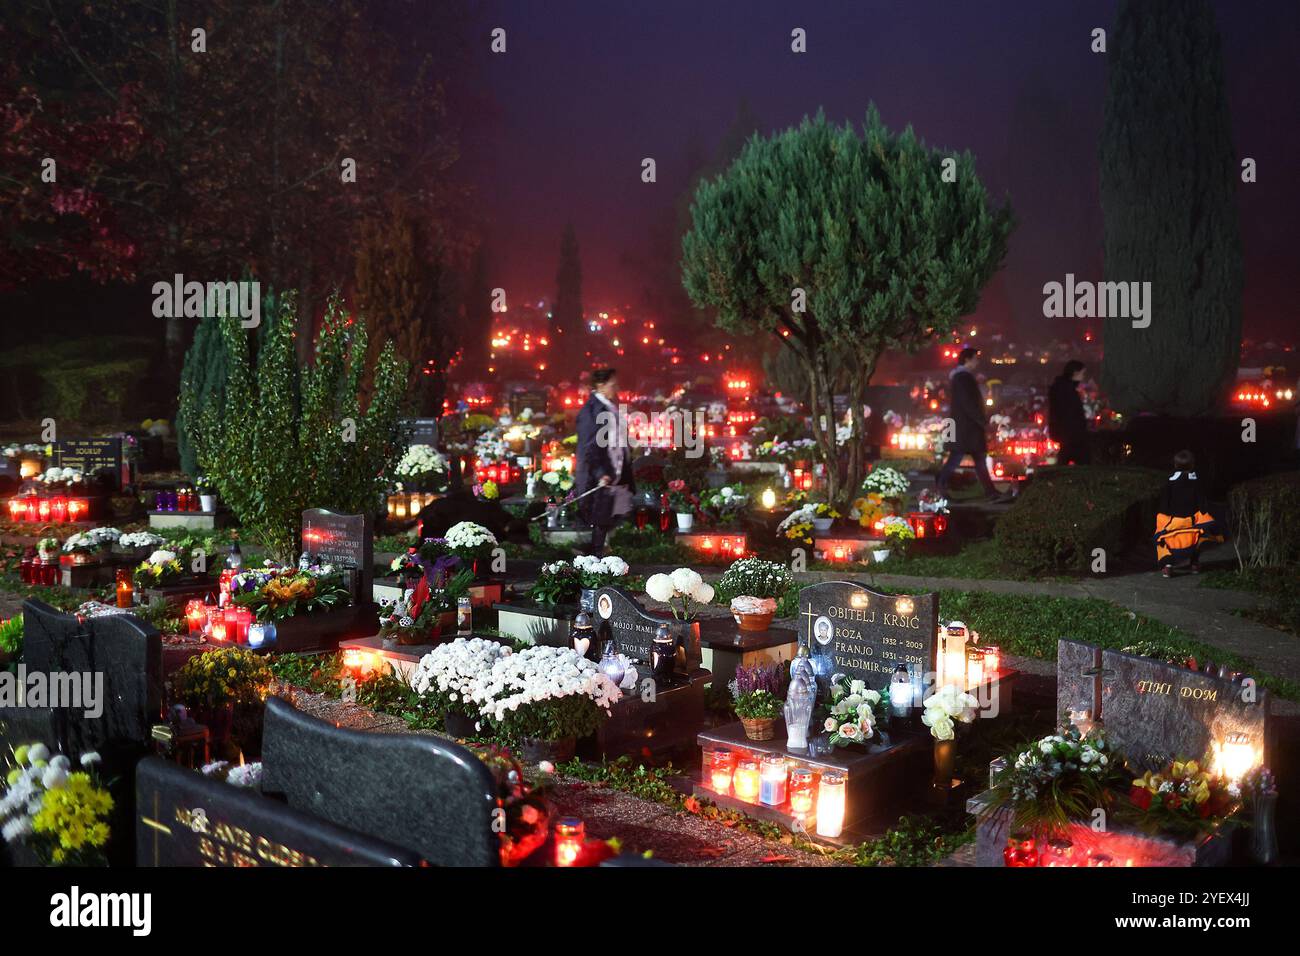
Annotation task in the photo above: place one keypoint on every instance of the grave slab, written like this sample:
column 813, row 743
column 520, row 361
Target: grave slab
column 186, row 819
column 725, row 647
column 536, row 623
column 428, row 795
column 879, row 780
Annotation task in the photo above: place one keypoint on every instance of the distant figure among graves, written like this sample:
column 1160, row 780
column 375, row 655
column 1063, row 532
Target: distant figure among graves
column 1066, row 423
column 604, row 460
column 1183, row 525
column 967, row 410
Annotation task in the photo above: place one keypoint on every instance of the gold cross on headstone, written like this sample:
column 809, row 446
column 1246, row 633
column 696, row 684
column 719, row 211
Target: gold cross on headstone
column 810, row 616
column 157, row 827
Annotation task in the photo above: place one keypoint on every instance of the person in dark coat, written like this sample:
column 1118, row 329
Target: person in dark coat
column 1183, row 524
column 1066, row 423
column 966, row 405
column 604, row 459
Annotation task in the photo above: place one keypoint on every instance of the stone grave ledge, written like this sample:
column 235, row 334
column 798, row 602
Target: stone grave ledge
column 1125, row 845
column 536, row 623
column 879, row 780
column 190, row 520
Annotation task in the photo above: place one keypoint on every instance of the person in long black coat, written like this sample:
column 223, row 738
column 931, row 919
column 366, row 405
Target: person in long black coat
column 1066, row 423
column 966, row 405
column 604, row 460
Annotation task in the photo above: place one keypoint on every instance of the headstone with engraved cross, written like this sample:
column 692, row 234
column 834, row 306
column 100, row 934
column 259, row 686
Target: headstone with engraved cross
column 852, row 630
column 1154, row 711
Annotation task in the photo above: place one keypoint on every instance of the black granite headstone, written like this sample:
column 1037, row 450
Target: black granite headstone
column 117, row 658
column 852, row 630
column 420, row 431
column 428, row 795
column 93, row 457
column 620, row 618
column 186, row 819
column 1155, row 711
column 343, row 541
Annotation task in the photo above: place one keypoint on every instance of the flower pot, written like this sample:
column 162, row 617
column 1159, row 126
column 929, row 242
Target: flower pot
column 458, row 725
column 556, row 751
column 587, row 600
column 753, row 614
column 759, row 728
column 552, row 517
column 822, row 524
column 208, row 503
column 879, row 555
column 685, row 522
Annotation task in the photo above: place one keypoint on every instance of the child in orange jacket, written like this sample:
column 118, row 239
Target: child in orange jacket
column 1183, row 525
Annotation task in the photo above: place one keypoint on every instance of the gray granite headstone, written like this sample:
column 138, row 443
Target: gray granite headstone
column 186, row 819
column 863, row 634
column 428, row 795
column 121, row 650
column 344, row 541
column 1155, row 711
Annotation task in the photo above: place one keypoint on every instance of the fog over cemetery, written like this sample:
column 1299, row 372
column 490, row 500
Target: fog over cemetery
column 659, row 436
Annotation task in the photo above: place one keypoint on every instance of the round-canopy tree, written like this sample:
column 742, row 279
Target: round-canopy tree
column 290, row 438
column 844, row 246
column 1168, row 180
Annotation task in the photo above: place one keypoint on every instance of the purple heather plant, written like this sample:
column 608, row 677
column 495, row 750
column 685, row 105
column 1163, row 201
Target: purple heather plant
column 768, row 677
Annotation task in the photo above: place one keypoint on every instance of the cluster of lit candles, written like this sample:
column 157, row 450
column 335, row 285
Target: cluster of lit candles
column 964, row 663
column 54, row 510
column 800, row 479
column 727, row 544
column 409, row 503
column 228, row 624
column 37, row 569
column 772, row 781
column 182, row 499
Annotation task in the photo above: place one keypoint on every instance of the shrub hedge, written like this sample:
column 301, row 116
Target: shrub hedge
column 1063, row 514
column 1266, row 519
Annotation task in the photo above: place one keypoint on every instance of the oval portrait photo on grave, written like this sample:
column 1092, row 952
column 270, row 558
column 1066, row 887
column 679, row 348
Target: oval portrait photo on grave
column 823, row 630
column 605, row 606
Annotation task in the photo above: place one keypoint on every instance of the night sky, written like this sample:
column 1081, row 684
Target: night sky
column 587, row 90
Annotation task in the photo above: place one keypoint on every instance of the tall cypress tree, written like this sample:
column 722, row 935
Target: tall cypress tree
column 203, row 382
column 1168, row 175
column 566, row 311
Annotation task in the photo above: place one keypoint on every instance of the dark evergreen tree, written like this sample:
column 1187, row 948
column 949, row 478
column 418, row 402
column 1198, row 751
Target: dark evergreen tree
column 1168, row 177
column 203, row 381
column 844, row 246
column 566, row 310
column 205, row 372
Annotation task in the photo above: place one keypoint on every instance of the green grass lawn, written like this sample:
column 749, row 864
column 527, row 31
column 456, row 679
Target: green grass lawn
column 1030, row 625
column 1279, row 586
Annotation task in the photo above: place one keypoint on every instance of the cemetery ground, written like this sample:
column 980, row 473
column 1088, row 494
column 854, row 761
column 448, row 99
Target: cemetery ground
column 649, row 803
